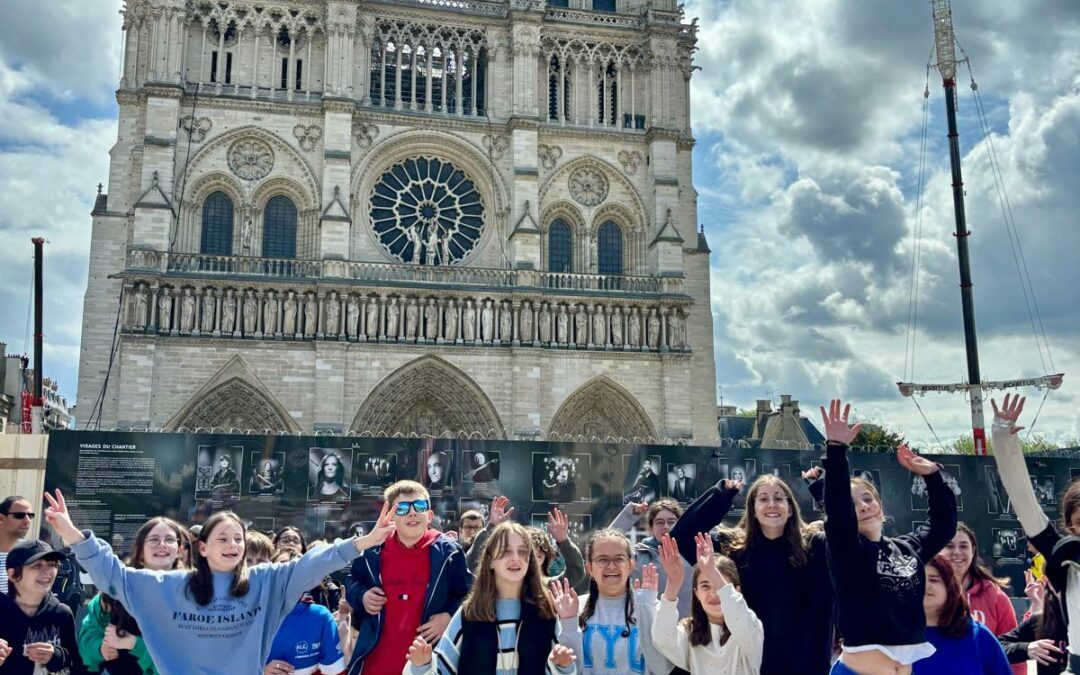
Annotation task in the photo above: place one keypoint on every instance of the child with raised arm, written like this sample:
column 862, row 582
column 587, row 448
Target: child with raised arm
column 722, row 635
column 220, row 616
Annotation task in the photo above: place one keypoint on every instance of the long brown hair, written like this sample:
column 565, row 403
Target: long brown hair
column 479, row 604
column 794, row 528
column 1070, row 502
column 955, row 615
column 697, row 624
column 201, row 581
column 978, row 570
column 541, row 540
column 136, row 558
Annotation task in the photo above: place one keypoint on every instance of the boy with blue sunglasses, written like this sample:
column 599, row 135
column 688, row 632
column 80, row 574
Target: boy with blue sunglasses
column 406, row 588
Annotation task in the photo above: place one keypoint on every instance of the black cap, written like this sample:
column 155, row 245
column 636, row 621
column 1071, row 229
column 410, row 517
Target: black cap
column 29, row 552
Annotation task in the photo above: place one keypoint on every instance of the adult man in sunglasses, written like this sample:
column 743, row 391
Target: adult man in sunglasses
column 16, row 515
column 408, row 587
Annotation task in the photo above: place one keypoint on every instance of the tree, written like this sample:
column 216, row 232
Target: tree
column 965, row 444
column 877, row 437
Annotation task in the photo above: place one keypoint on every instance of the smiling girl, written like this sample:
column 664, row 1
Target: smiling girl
column 507, row 625
column 190, row 618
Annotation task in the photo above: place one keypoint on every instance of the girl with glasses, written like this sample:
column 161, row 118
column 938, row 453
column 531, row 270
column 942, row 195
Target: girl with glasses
column 109, row 638
column 189, row 618
column 610, row 629
column 507, row 624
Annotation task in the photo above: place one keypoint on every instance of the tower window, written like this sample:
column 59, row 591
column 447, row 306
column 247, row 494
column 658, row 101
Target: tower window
column 299, row 74
column 228, row 67
column 213, row 66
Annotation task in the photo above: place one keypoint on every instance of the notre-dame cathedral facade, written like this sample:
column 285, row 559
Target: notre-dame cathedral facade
column 467, row 217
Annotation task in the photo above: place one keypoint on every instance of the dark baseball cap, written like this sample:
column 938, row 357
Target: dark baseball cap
column 29, row 552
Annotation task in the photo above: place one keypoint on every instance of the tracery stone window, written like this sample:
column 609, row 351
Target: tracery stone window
column 559, row 77
column 560, row 256
column 279, row 228
column 609, row 244
column 217, row 225
column 426, row 210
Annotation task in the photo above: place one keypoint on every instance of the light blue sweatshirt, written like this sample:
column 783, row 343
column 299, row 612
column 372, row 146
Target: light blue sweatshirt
column 228, row 636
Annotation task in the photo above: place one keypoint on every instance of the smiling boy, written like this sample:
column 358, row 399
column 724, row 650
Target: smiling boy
column 408, row 587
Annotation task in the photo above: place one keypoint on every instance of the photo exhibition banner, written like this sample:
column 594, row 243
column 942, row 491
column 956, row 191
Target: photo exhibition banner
column 332, row 486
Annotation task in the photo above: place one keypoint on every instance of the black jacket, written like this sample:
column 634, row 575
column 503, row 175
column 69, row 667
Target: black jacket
column 1015, row 642
column 52, row 623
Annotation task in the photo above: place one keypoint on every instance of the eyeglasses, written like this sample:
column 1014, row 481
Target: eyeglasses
column 158, row 541
column 21, row 515
column 608, row 562
column 418, row 505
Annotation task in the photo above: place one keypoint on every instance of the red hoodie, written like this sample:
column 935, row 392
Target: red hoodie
column 992, row 608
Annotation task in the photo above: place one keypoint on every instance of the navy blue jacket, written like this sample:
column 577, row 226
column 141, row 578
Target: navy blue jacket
column 449, row 583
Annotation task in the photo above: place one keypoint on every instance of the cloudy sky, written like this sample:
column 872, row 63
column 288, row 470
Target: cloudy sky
column 809, row 120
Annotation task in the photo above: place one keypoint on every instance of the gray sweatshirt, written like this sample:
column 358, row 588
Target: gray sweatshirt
column 230, row 636
column 602, row 649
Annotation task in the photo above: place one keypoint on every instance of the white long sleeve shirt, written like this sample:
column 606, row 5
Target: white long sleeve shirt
column 741, row 655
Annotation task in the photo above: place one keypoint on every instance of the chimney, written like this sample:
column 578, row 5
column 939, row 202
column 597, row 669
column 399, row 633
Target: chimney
column 764, row 405
column 785, row 401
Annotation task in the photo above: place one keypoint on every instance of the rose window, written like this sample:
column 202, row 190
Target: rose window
column 426, row 210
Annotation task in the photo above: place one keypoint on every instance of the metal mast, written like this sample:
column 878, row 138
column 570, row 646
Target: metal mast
column 945, row 47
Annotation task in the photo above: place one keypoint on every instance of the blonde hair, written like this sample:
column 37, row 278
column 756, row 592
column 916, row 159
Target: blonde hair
column 259, row 546
column 403, row 487
column 479, row 605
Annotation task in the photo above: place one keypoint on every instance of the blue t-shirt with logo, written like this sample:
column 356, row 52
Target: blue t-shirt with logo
column 308, row 641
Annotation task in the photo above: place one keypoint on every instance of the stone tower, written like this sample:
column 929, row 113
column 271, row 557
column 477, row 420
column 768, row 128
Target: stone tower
column 402, row 216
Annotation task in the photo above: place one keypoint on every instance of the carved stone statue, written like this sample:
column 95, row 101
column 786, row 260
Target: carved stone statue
column 164, row 310
column 468, row 322
column 311, row 315
column 333, row 313
column 352, row 317
column 506, row 326
column 412, row 318
column 206, row 324
column 581, row 326
column 139, row 320
column 487, row 321
column 599, row 323
column 412, row 236
column 526, row 322
column 251, row 312
column 228, row 312
column 676, row 328
column 450, row 321
column 562, row 333
column 187, row 311
column 290, row 314
column 372, row 324
column 392, row 314
column 616, row 327
column 431, row 246
column 444, row 248
column 247, row 234
column 431, row 320
column 634, row 328
column 545, row 324
column 270, row 313
column 654, row 329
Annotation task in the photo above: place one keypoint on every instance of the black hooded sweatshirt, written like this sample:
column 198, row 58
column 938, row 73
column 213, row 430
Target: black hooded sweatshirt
column 51, row 623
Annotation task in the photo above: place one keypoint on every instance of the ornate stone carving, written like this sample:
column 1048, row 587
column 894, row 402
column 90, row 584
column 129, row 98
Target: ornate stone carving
column 412, row 318
column 187, row 311
column 139, row 320
column 505, row 324
column 450, row 318
column 545, row 325
column 634, row 329
column 599, row 327
column 307, row 136
column 228, row 312
column 562, row 332
column 373, row 326
column 250, row 158
column 289, row 327
column 431, row 320
column 247, row 234
column 616, row 327
column 352, row 317
column 549, row 155
column 333, row 314
column 630, row 160
column 496, row 145
column 270, row 314
column 197, row 127
column 468, row 318
column 654, row 330
column 581, row 326
column 588, row 186
column 527, row 322
column 251, row 312
column 487, row 322
column 366, row 135
column 311, row 315
column 392, row 313
column 209, row 310
column 602, row 408
column 164, row 310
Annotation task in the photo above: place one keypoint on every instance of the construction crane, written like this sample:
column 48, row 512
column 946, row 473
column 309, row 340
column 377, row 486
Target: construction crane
column 945, row 49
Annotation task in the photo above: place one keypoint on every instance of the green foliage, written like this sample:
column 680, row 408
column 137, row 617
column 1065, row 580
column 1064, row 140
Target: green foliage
column 743, row 412
column 874, row 435
column 965, row 444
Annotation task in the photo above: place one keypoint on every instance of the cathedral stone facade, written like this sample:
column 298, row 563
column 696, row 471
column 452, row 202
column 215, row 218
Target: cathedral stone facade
column 466, row 217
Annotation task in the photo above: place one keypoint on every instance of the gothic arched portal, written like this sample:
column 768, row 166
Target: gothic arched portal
column 603, row 409
column 428, row 396
column 234, row 399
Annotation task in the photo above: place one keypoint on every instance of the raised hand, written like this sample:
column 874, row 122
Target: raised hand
column 499, row 510
column 704, row 545
column 562, row 656
column 672, row 562
column 565, row 598
column 383, row 528
column 728, row 484
column 639, row 508
column 913, row 463
column 707, row 565
column 1010, row 412
column 57, row 515
column 1035, row 592
column 420, row 652
column 650, row 579
column 813, row 473
column 452, row 534
column 836, row 423
column 558, row 525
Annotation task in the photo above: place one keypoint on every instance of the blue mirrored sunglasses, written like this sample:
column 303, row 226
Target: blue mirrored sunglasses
column 418, row 505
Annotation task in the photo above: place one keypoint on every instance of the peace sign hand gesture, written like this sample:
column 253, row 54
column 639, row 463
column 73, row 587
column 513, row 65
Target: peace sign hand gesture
column 384, row 527
column 57, row 515
column 836, row 423
column 1010, row 412
column 913, row 463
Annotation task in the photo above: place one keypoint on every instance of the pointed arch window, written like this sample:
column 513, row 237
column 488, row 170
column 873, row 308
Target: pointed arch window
column 279, row 228
column 609, row 244
column 560, row 256
column 217, row 225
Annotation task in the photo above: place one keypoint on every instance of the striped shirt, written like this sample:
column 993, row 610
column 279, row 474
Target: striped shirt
column 508, row 617
column 3, row 572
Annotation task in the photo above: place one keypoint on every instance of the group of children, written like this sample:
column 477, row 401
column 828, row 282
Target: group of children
column 769, row 596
